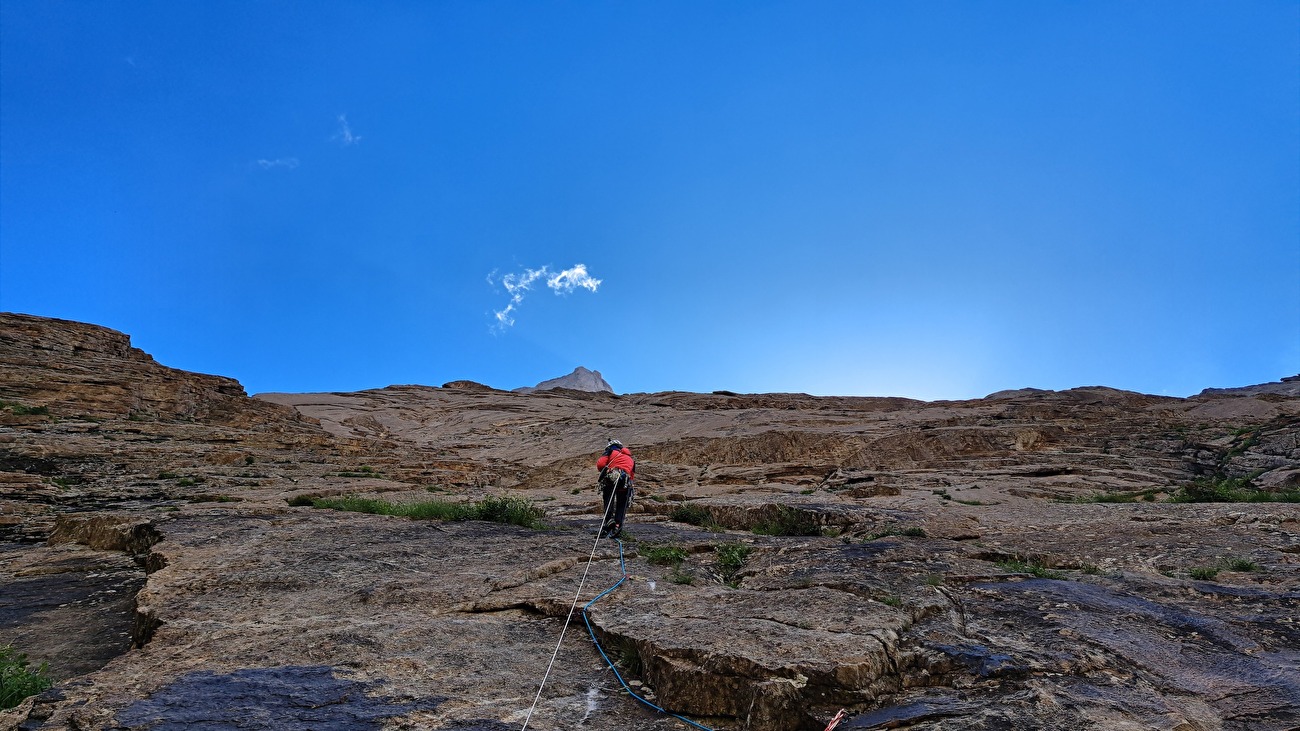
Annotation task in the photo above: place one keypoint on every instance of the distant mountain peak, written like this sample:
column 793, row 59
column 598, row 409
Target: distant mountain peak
column 581, row 379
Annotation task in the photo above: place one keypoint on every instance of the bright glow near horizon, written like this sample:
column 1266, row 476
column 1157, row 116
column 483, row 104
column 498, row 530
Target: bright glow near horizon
column 926, row 199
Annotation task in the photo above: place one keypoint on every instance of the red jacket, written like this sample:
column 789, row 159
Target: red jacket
column 619, row 459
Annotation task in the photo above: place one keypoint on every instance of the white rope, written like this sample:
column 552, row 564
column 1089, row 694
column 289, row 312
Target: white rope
column 569, row 617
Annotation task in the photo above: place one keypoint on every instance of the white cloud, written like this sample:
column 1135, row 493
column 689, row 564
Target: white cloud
column 565, row 281
column 344, row 135
column 288, row 163
column 518, row 284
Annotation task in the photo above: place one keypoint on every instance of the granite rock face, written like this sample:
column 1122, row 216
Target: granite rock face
column 925, row 565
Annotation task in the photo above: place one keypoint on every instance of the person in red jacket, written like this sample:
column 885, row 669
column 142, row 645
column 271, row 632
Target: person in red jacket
column 617, row 470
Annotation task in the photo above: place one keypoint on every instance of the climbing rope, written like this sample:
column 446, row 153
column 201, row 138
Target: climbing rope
column 569, row 616
column 623, row 577
column 622, row 570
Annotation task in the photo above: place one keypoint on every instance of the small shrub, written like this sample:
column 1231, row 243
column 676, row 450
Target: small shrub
column 731, row 556
column 186, row 482
column 1091, row 569
column 789, row 522
column 970, row 502
column 574, row 491
column 691, row 514
column 913, row 531
column 250, row 459
column 301, row 501
column 164, row 475
column 18, row 680
column 678, row 576
column 934, row 579
column 892, row 600
column 943, row 494
column 807, row 492
column 1241, row 564
column 1204, row 573
column 664, row 555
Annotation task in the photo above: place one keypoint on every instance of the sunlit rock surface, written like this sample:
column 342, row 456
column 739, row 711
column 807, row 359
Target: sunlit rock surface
column 959, row 574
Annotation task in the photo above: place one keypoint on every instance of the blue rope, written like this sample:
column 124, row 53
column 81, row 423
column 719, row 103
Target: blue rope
column 622, row 565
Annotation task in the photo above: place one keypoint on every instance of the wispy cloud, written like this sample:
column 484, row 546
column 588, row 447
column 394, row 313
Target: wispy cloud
column 287, row 163
column 518, row 284
column 344, row 135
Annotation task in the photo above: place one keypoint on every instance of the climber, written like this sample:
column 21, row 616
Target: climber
column 617, row 469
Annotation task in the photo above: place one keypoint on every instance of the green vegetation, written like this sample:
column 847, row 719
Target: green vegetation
column 934, row 579
column 1241, row 564
column 1204, row 573
column 18, row 409
column 186, row 482
column 943, row 494
column 1033, row 568
column 509, row 510
column 302, row 501
column 628, row 656
column 892, row 600
column 250, row 459
column 164, row 475
column 971, row 502
column 809, row 491
column 789, row 521
column 1230, row 490
column 664, row 555
column 1119, row 497
column 17, row 679
column 731, row 556
column 1091, row 569
column 692, row 514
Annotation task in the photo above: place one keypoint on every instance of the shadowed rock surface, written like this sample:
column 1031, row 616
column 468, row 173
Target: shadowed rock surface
column 926, row 565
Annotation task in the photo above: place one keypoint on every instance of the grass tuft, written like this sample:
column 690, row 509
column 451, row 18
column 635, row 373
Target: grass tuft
column 1241, row 564
column 691, row 514
column 664, row 555
column 789, row 521
column 1032, row 568
column 18, row 679
column 732, row 556
column 509, row 510
column 1204, row 573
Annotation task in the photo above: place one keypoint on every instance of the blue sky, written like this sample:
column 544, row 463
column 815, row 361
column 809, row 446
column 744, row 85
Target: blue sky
column 929, row 199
